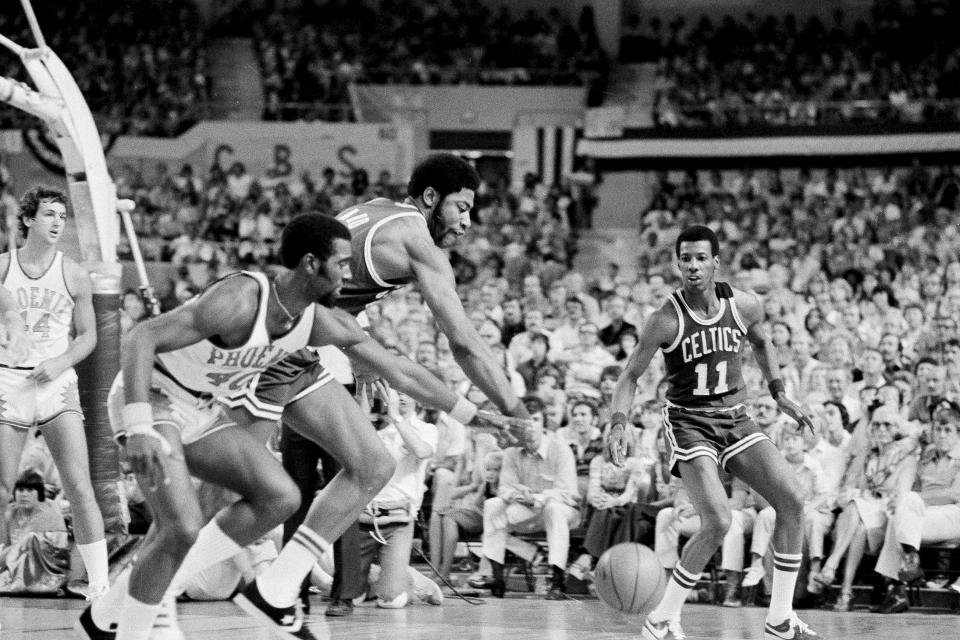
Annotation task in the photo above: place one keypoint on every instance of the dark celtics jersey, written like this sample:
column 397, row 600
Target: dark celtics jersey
column 364, row 221
column 704, row 361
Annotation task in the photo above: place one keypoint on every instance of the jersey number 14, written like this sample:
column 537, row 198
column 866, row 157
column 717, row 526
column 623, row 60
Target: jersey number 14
column 703, row 373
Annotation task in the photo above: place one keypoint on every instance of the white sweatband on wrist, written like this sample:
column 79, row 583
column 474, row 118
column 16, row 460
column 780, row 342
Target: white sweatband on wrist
column 464, row 411
column 136, row 413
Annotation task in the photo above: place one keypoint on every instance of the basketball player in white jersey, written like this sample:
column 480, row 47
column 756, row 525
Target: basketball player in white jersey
column 55, row 303
column 174, row 367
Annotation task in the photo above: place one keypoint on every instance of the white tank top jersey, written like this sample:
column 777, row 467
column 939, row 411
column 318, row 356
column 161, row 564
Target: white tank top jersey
column 46, row 306
column 208, row 368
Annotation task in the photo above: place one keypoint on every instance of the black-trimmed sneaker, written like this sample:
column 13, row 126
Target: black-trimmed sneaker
column 283, row 622
column 87, row 629
column 663, row 630
column 793, row 628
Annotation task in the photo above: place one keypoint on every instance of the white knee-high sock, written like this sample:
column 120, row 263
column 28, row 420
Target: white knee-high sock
column 280, row 583
column 94, row 556
column 786, row 568
column 136, row 619
column 678, row 587
column 211, row 547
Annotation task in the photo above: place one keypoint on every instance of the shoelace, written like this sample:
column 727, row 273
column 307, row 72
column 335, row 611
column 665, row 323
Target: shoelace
column 795, row 621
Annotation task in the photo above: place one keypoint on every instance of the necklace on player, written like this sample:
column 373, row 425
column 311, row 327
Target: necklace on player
column 290, row 317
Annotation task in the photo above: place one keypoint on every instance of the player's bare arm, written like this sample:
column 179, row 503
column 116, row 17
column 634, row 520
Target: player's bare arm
column 227, row 310
column 438, row 287
column 333, row 326
column 660, row 330
column 404, row 375
column 84, row 325
column 751, row 312
column 13, row 334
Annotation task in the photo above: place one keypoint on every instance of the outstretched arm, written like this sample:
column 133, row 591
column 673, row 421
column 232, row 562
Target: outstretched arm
column 661, row 329
column 438, row 286
column 766, row 354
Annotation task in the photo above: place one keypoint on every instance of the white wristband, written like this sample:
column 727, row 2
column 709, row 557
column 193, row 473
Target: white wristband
column 134, row 414
column 464, row 411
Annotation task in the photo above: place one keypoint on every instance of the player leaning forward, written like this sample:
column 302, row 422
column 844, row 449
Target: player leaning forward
column 39, row 385
column 702, row 331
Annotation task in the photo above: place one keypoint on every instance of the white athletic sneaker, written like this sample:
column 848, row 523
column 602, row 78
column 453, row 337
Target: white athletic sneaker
column 664, row 630
column 793, row 628
column 166, row 627
column 753, row 577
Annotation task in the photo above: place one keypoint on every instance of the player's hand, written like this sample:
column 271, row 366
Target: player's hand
column 14, row 341
column 506, row 428
column 795, row 411
column 148, row 459
column 617, row 445
column 48, row 370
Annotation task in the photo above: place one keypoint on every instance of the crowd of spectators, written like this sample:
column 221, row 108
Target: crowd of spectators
column 896, row 66
column 309, row 56
column 141, row 67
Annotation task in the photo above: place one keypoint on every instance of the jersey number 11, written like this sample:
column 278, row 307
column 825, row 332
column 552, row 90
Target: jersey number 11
column 703, row 371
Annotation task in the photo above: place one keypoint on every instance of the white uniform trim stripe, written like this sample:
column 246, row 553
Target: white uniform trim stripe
column 684, row 455
column 321, row 380
column 741, row 446
column 707, row 321
column 680, row 326
column 737, row 318
column 368, row 243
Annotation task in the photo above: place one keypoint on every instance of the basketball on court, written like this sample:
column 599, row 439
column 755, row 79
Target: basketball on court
column 629, row 578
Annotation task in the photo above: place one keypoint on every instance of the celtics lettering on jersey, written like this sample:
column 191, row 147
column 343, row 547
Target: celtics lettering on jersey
column 704, row 362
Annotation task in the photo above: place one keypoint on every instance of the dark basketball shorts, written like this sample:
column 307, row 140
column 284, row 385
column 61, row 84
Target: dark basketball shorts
column 715, row 434
column 283, row 383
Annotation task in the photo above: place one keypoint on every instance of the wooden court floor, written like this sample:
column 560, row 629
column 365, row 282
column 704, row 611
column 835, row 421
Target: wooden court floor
column 510, row 619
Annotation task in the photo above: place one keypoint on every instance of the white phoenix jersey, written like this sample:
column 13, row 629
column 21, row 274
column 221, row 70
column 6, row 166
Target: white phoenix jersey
column 46, row 306
column 208, row 368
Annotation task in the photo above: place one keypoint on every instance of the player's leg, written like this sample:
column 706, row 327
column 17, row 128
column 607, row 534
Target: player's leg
column 12, row 440
column 701, row 480
column 177, row 520
column 68, row 446
column 761, row 465
column 329, row 416
column 17, row 411
column 394, row 560
column 236, row 459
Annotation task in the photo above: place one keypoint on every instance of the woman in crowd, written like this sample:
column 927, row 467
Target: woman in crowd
column 875, row 481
